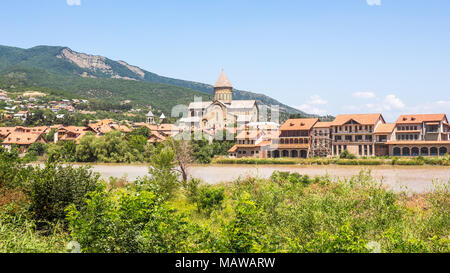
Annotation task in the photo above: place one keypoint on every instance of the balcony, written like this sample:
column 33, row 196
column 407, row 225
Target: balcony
column 363, row 132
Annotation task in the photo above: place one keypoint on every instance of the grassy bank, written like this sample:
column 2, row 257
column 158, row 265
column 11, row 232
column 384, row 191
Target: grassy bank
column 43, row 209
column 441, row 161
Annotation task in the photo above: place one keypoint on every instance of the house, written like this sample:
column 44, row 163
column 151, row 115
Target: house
column 355, row 133
column 70, row 133
column 294, row 139
column 249, row 143
column 22, row 140
column 383, row 134
column 423, row 135
column 23, row 115
column 321, row 143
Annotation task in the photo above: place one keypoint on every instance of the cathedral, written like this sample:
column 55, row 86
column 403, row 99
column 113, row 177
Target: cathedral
column 223, row 113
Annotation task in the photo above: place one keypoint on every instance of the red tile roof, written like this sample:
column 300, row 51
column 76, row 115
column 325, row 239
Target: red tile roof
column 299, row 124
column 363, row 119
column 405, row 119
column 385, row 128
column 323, row 124
column 22, row 138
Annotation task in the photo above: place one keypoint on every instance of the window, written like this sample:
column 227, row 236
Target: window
column 370, row 150
column 365, row 149
column 360, row 149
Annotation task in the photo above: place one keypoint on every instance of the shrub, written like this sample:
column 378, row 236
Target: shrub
column 164, row 177
column 347, row 155
column 192, row 189
column 55, row 187
column 129, row 222
column 210, row 198
column 245, row 233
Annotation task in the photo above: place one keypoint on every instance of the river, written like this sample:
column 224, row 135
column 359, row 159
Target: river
column 414, row 179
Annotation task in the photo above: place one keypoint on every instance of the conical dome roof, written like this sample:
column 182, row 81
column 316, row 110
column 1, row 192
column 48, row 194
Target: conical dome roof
column 150, row 114
column 223, row 81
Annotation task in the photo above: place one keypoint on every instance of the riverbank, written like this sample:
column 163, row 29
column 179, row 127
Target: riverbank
column 413, row 161
column 414, row 179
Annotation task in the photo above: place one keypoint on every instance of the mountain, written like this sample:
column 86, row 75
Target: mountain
column 99, row 77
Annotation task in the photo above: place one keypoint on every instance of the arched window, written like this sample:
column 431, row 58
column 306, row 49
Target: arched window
column 424, row 151
column 303, row 154
column 415, row 151
column 433, row 151
column 405, row 151
column 294, row 153
column 397, row 151
column 442, row 151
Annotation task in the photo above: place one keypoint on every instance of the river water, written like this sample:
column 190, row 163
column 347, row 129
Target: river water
column 414, row 179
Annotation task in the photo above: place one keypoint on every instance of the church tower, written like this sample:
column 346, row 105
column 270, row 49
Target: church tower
column 223, row 90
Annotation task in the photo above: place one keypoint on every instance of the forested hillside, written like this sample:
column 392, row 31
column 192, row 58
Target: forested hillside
column 99, row 77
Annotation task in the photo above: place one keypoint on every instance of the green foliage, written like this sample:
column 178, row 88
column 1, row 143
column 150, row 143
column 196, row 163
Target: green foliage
column 128, row 222
column 18, row 234
column 347, row 155
column 164, row 178
column 192, row 189
column 288, row 212
column 245, row 232
column 55, row 187
column 210, row 198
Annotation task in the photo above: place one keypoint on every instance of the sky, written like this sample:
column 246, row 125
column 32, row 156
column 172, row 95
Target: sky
column 320, row 56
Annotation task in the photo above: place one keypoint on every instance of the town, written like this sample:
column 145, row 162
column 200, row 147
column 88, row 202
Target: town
column 363, row 135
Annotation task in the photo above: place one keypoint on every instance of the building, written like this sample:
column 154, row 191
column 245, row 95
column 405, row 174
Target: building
column 294, row 139
column 222, row 113
column 383, row 134
column 70, row 133
column 247, row 144
column 22, row 140
column 321, row 143
column 425, row 135
column 150, row 118
column 355, row 133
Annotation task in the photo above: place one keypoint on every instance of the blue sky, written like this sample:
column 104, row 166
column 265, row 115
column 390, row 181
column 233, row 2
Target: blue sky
column 322, row 56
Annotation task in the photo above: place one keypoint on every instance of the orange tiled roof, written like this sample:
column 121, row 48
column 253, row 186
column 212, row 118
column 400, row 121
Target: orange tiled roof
column 253, row 134
column 420, row 118
column 299, row 124
column 233, row 149
column 21, row 138
column 385, row 128
column 6, row 130
column 264, row 143
column 363, row 119
column 323, row 124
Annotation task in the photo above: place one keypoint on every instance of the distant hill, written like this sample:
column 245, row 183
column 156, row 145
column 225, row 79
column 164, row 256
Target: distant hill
column 99, row 77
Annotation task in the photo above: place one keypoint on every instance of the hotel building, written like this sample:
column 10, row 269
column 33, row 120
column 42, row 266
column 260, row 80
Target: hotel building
column 355, row 133
column 424, row 135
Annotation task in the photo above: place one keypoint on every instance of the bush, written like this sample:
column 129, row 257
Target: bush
column 347, row 155
column 245, row 233
column 192, row 189
column 55, row 187
column 164, row 177
column 129, row 222
column 210, row 198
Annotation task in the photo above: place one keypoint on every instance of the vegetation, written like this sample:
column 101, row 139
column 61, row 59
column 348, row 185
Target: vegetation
column 38, row 68
column 364, row 161
column 42, row 209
